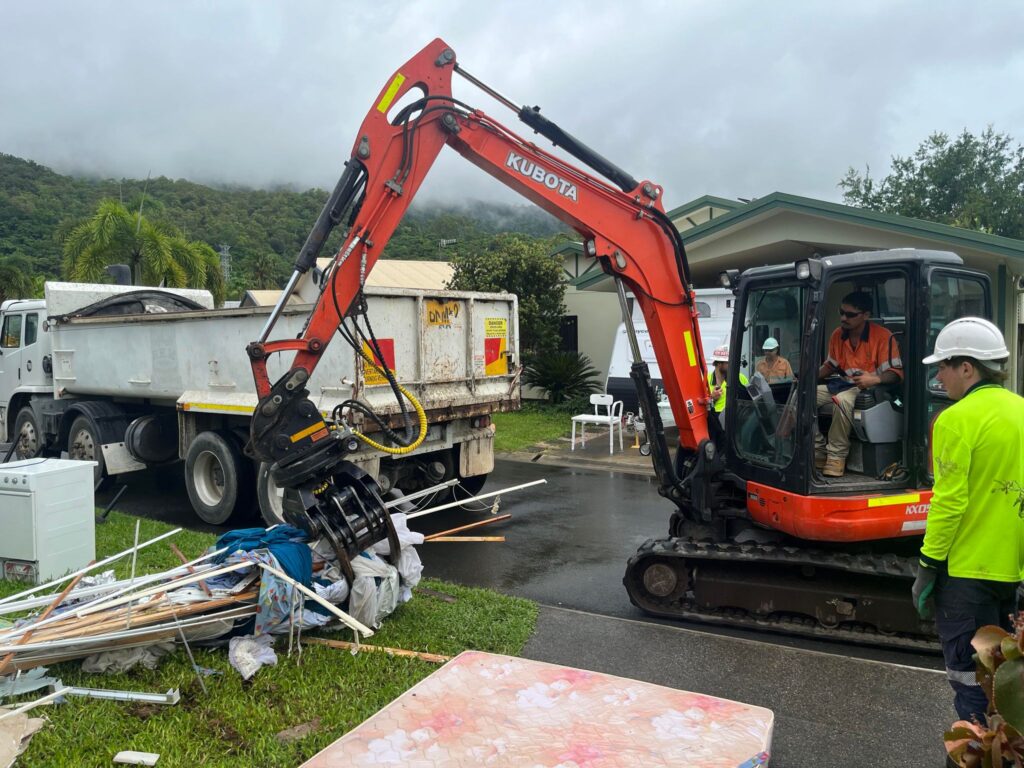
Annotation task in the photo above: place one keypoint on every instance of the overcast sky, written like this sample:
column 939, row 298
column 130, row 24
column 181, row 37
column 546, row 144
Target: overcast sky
column 736, row 99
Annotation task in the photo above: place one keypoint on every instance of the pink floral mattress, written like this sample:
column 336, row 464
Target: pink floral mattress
column 485, row 709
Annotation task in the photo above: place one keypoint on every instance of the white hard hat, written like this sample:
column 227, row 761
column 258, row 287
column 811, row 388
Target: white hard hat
column 721, row 354
column 770, row 343
column 969, row 337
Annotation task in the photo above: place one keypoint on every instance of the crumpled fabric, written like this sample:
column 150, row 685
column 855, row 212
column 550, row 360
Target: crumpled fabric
column 409, row 566
column 335, row 590
column 374, row 593
column 304, row 619
column 313, row 614
column 288, row 545
column 276, row 595
column 250, row 652
column 124, row 659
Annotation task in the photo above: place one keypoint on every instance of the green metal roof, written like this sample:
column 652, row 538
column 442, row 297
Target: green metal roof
column 954, row 236
column 1006, row 246
column 707, row 201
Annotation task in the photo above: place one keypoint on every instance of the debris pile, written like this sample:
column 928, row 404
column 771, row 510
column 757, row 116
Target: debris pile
column 253, row 584
column 256, row 582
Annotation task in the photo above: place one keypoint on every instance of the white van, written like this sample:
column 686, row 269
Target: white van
column 715, row 306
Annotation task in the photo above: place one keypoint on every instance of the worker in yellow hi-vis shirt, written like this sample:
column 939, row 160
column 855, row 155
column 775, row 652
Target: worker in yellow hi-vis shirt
column 972, row 558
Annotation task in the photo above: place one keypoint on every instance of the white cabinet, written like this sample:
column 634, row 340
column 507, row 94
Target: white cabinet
column 47, row 518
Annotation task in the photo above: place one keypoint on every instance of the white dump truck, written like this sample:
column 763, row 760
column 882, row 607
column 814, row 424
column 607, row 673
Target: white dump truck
column 134, row 377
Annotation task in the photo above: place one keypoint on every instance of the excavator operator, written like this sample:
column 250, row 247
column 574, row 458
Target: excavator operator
column 858, row 358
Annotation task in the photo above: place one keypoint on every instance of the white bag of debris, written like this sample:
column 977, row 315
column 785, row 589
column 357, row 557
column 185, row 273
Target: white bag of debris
column 409, row 566
column 250, row 652
column 374, row 594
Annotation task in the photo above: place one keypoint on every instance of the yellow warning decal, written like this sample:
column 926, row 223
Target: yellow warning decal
column 217, row 407
column 688, row 338
column 441, row 313
column 389, row 94
column 891, row 501
column 308, row 431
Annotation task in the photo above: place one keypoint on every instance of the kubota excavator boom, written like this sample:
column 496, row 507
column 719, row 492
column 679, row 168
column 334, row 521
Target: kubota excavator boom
column 622, row 223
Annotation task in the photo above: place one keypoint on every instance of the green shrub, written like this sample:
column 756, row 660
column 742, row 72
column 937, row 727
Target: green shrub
column 564, row 376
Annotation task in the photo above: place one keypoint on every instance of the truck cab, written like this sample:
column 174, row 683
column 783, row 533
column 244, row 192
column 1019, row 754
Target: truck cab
column 24, row 372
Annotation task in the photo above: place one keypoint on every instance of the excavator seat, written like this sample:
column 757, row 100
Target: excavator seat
column 876, row 438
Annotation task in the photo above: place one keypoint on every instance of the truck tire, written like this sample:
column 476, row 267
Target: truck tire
column 269, row 496
column 84, row 445
column 218, row 478
column 27, row 434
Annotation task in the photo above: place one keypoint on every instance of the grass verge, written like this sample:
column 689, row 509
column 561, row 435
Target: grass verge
column 235, row 723
column 535, row 423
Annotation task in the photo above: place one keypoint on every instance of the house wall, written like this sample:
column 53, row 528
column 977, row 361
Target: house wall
column 598, row 316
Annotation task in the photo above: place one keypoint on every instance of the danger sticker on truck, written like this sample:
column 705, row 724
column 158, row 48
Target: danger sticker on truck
column 495, row 346
column 371, row 376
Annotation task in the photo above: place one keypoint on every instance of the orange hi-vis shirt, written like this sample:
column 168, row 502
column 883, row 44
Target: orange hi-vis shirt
column 870, row 356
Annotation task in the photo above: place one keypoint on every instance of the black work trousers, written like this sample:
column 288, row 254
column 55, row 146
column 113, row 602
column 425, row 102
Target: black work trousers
column 962, row 606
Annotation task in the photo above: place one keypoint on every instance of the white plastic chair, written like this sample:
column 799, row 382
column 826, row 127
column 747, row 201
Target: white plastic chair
column 610, row 417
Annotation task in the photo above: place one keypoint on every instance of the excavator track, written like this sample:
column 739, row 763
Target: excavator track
column 856, row 598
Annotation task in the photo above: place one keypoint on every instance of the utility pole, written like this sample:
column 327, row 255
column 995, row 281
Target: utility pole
column 444, row 243
column 225, row 260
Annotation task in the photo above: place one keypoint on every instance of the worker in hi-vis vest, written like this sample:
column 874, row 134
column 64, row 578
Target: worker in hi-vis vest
column 972, row 558
column 718, row 377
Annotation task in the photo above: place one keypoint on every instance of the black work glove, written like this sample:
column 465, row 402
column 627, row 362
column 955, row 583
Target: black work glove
column 922, row 590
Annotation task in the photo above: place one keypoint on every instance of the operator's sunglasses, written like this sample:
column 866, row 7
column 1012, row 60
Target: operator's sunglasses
column 849, row 314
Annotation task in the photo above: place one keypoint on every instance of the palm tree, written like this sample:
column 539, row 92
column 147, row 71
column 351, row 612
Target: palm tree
column 156, row 253
column 16, row 279
column 265, row 270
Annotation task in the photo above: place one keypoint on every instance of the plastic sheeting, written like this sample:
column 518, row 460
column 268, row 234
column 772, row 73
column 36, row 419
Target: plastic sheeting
column 375, row 591
column 248, row 653
column 124, row 659
column 409, row 566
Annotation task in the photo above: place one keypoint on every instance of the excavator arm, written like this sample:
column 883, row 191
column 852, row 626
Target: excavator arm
column 622, row 223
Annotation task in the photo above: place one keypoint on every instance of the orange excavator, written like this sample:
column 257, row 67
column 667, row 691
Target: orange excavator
column 759, row 537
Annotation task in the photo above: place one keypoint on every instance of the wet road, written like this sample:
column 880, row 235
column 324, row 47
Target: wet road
column 567, row 542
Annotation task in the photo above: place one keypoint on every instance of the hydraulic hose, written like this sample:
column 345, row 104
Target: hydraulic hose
column 421, row 417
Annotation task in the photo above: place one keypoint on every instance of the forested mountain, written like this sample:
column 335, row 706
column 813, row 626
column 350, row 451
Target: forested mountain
column 260, row 226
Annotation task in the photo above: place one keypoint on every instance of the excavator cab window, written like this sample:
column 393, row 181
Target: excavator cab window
column 950, row 295
column 763, row 429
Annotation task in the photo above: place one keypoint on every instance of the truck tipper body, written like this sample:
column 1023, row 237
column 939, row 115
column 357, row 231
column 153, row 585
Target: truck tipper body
column 132, row 378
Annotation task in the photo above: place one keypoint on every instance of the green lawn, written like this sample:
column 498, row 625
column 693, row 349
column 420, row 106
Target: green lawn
column 235, row 723
column 536, row 423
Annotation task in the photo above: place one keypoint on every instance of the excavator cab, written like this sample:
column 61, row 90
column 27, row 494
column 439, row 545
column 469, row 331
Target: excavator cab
column 830, row 557
column 769, row 426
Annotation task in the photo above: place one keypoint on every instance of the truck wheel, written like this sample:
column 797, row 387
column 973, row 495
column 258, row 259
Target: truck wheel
column 218, row 478
column 269, row 496
column 27, row 434
column 84, row 445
